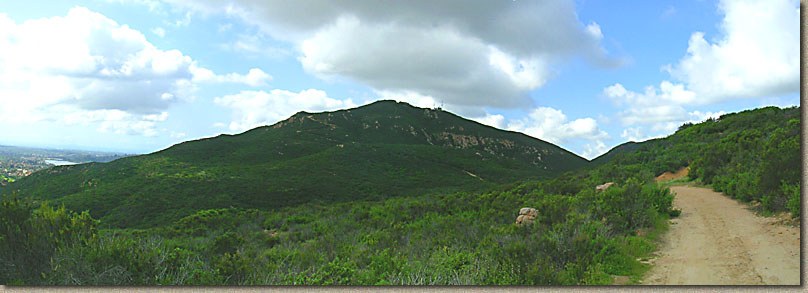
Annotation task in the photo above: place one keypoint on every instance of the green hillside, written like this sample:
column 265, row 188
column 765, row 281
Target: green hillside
column 752, row 155
column 580, row 236
column 373, row 152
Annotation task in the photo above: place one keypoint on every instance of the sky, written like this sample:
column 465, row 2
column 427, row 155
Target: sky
column 138, row 76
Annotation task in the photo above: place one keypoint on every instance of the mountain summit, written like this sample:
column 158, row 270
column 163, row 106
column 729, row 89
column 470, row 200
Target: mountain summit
column 375, row 151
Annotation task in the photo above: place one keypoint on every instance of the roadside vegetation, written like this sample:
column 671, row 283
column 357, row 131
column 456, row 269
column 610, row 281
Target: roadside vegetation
column 752, row 155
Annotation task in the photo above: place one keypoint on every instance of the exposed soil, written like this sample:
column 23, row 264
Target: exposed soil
column 672, row 176
column 717, row 241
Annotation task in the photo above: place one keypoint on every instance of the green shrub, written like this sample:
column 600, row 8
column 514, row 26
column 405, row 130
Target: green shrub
column 30, row 237
column 228, row 242
column 794, row 194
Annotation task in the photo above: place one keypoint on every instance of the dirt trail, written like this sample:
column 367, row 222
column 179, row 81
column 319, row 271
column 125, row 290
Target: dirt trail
column 717, row 241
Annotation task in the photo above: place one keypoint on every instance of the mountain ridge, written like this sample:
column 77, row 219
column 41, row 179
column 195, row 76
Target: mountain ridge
column 376, row 151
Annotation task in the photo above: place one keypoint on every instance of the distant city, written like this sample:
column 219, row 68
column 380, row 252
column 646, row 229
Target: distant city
column 17, row 162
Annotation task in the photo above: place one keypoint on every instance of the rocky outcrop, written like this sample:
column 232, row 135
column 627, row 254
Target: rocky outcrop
column 603, row 187
column 527, row 216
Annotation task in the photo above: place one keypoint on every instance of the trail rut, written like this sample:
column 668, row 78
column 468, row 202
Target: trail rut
column 717, row 241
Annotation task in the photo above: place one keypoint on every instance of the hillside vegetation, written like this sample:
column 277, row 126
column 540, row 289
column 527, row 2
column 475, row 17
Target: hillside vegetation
column 581, row 236
column 373, row 152
column 753, row 155
column 453, row 238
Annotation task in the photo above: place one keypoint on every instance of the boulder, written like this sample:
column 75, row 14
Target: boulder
column 527, row 216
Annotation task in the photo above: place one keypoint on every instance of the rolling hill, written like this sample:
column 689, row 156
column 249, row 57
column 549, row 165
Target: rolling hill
column 380, row 150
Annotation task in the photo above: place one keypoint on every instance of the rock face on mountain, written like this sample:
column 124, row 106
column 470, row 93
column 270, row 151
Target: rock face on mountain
column 604, row 186
column 380, row 150
column 527, row 216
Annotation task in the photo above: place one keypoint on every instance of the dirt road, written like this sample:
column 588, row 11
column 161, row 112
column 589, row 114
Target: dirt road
column 716, row 241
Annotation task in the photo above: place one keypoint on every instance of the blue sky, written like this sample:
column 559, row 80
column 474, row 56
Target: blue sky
column 140, row 75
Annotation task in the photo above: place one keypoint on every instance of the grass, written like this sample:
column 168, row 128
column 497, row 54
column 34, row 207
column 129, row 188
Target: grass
column 684, row 181
column 645, row 247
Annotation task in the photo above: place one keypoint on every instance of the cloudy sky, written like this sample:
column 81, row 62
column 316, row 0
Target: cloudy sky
column 140, row 75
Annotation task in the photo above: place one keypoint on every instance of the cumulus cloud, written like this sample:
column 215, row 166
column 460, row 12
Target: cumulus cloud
column 494, row 120
column 664, row 127
column 116, row 121
column 594, row 149
column 552, row 125
column 87, row 65
column 256, row 108
column 657, row 106
column 633, row 134
column 757, row 55
column 467, row 53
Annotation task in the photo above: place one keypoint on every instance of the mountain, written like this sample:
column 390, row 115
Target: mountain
column 376, row 151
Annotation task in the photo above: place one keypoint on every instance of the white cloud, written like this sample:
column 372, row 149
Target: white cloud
column 757, row 55
column 87, row 60
column 667, row 93
column 85, row 67
column 494, row 120
column 256, row 108
column 413, row 98
column 698, row 116
column 633, row 134
column 465, row 53
column 653, row 106
column 255, row 77
column 594, row 30
column 655, row 114
column 552, row 125
column 594, row 149
column 657, row 105
column 664, row 127
column 116, row 121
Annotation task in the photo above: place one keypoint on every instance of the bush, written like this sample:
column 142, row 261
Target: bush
column 227, row 243
column 794, row 194
column 29, row 238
